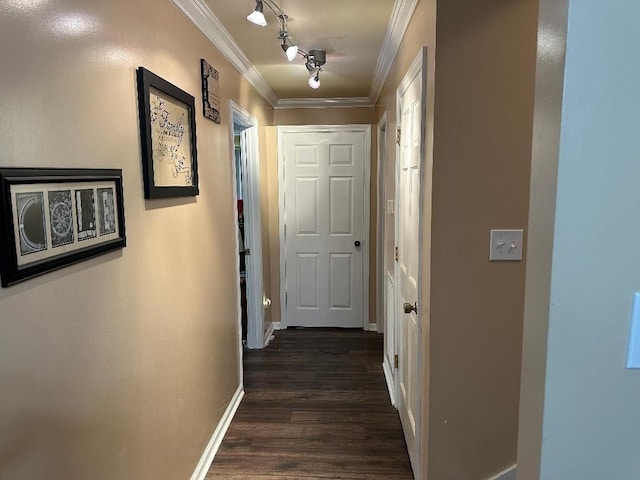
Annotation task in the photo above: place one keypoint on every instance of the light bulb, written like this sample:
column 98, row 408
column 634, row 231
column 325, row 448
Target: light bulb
column 257, row 16
column 314, row 81
column 292, row 51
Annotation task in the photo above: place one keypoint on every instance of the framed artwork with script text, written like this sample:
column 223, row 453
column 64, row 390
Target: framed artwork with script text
column 167, row 137
column 54, row 217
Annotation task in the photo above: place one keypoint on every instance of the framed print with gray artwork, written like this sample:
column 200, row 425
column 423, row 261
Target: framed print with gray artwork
column 51, row 218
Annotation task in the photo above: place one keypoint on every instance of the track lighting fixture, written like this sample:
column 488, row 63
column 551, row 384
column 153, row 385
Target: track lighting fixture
column 288, row 46
column 314, row 59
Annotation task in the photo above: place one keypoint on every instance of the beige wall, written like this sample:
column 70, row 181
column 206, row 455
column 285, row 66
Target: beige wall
column 542, row 207
column 482, row 152
column 479, row 122
column 323, row 116
column 119, row 367
column 123, row 365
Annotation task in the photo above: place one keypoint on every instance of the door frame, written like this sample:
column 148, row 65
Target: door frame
column 388, row 325
column 381, row 274
column 366, row 226
column 418, row 67
column 253, row 227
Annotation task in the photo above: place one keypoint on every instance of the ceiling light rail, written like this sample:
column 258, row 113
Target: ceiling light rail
column 314, row 59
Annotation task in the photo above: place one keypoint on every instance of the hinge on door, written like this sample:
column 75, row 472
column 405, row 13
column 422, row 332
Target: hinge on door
column 395, row 361
column 398, row 135
column 247, row 251
column 396, row 254
column 286, row 299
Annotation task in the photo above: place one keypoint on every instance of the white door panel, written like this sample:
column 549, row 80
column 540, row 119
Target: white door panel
column 408, row 217
column 307, row 208
column 323, row 219
column 307, row 271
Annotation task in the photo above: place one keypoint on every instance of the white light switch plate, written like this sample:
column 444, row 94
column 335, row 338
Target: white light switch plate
column 505, row 245
column 390, row 207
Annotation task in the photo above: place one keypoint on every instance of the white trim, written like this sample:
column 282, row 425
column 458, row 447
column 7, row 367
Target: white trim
column 381, row 216
column 253, row 225
column 337, row 102
column 400, row 17
column 366, row 129
column 277, row 325
column 267, row 336
column 281, row 223
column 418, row 67
column 373, row 327
column 508, row 474
column 236, row 228
column 216, row 439
column 391, row 327
column 202, row 17
column 388, row 376
column 366, row 233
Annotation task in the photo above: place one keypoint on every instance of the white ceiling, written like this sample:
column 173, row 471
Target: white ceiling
column 360, row 37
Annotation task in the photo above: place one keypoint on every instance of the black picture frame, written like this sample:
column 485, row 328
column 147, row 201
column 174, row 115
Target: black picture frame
column 210, row 91
column 54, row 217
column 167, row 137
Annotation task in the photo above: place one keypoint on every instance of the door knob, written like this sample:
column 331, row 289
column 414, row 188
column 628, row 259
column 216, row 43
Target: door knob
column 408, row 308
column 357, row 243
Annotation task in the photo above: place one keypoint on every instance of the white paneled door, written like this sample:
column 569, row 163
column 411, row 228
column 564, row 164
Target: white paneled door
column 408, row 217
column 323, row 174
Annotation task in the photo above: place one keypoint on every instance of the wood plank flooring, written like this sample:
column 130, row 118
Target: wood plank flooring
column 316, row 406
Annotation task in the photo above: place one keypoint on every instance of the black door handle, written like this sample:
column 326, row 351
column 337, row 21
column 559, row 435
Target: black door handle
column 408, row 308
column 357, row 243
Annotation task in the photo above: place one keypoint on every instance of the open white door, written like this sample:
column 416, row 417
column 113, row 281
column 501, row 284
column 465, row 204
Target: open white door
column 324, row 225
column 409, row 160
column 247, row 126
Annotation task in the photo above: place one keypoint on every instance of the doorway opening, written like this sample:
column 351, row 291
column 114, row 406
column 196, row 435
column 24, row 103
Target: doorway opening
column 246, row 169
column 237, row 150
column 381, row 209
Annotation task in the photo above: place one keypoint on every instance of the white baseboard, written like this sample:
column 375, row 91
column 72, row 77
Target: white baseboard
column 389, row 378
column 216, row 440
column 508, row 474
column 373, row 327
column 267, row 336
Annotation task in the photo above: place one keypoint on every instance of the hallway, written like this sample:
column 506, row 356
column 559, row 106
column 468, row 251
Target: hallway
column 316, row 406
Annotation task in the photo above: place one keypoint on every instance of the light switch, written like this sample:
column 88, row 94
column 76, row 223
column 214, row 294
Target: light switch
column 633, row 355
column 390, row 207
column 505, row 245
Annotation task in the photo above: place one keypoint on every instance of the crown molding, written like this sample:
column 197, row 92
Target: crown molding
column 400, row 17
column 203, row 18
column 338, row 102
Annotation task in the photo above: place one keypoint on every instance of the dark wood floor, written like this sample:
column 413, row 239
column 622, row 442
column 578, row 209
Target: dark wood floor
column 316, row 406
